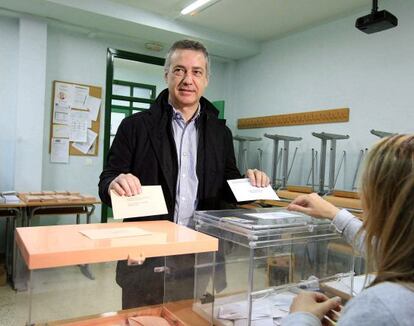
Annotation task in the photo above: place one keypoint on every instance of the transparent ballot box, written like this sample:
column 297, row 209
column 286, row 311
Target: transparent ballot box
column 265, row 257
column 136, row 273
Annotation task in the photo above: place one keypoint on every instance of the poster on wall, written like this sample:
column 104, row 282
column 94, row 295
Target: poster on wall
column 64, row 95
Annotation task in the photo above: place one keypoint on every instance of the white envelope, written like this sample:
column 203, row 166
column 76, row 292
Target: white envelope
column 149, row 202
column 243, row 191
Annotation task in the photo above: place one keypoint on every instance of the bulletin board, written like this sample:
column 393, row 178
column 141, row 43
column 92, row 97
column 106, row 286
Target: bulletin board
column 77, row 99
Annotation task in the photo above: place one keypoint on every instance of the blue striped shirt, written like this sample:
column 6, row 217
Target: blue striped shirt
column 186, row 139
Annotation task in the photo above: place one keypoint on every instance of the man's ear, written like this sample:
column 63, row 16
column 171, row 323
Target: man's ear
column 166, row 76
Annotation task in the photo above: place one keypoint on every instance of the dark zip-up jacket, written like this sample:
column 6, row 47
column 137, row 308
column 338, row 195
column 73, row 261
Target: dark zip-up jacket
column 144, row 146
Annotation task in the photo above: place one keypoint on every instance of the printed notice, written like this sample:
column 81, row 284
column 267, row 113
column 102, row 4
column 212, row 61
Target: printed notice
column 63, row 94
column 80, row 94
column 243, row 191
column 61, row 131
column 149, row 202
column 93, row 104
column 59, row 152
column 85, row 146
column 78, row 125
column 61, row 114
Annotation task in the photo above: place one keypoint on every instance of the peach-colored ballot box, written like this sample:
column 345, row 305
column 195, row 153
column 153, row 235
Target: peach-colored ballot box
column 59, row 293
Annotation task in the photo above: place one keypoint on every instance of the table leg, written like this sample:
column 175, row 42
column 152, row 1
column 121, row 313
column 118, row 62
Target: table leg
column 13, row 262
column 89, row 214
column 20, row 274
column 29, row 216
column 7, row 245
column 85, row 270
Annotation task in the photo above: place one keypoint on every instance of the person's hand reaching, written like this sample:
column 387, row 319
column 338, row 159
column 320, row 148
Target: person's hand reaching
column 313, row 205
column 317, row 304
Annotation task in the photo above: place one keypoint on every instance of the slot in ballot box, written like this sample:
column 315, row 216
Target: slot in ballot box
column 58, row 294
column 268, row 255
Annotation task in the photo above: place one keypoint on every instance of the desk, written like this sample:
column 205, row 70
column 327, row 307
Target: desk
column 11, row 212
column 86, row 207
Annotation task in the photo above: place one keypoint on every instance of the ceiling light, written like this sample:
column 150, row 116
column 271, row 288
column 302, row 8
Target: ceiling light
column 192, row 7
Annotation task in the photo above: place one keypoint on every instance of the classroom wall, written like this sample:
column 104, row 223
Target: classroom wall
column 30, row 105
column 330, row 66
column 9, row 31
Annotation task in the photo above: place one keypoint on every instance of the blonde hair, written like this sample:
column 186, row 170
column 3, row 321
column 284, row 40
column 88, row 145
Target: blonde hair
column 388, row 200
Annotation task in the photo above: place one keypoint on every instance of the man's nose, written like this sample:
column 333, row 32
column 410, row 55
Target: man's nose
column 188, row 78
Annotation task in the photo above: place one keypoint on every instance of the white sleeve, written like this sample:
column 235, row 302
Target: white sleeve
column 301, row 319
column 348, row 225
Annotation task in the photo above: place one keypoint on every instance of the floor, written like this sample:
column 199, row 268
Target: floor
column 60, row 294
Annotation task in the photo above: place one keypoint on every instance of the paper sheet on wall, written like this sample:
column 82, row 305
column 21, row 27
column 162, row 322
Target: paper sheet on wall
column 78, row 125
column 61, row 114
column 85, row 146
column 61, row 131
column 149, row 202
column 80, row 94
column 59, row 152
column 64, row 94
column 92, row 149
column 93, row 104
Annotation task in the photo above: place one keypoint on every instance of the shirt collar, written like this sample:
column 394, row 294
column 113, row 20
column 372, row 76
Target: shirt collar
column 177, row 115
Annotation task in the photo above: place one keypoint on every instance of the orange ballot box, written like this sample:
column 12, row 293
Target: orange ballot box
column 57, row 292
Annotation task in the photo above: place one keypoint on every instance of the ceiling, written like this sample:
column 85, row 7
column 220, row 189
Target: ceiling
column 231, row 29
column 256, row 20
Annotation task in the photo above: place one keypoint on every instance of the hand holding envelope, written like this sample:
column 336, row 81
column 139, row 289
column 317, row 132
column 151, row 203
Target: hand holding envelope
column 244, row 191
column 149, row 202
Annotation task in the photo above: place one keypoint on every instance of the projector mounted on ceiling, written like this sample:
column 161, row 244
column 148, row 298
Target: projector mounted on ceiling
column 376, row 21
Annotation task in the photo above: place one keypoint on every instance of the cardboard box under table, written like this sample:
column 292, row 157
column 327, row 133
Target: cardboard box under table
column 58, row 293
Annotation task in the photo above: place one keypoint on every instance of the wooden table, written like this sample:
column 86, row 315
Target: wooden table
column 86, row 207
